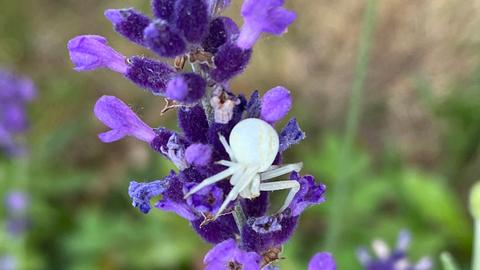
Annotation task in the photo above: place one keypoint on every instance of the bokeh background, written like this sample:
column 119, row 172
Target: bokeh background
column 413, row 158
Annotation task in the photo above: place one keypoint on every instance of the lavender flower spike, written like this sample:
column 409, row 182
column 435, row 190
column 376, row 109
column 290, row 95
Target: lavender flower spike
column 322, row 261
column 90, row 52
column 263, row 16
column 226, row 255
column 129, row 23
column 275, row 104
column 115, row 114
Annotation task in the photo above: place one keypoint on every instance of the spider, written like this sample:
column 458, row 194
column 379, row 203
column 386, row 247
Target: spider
column 253, row 147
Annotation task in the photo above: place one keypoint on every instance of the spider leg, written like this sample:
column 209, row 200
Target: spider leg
column 269, row 174
column 237, row 188
column 212, row 179
column 227, row 147
column 255, row 187
column 293, row 185
column 226, row 163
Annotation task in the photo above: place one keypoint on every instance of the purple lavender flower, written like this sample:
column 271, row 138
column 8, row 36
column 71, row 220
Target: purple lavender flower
column 115, row 114
column 263, row 16
column 226, row 255
column 222, row 135
column 391, row 260
column 15, row 92
column 322, row 261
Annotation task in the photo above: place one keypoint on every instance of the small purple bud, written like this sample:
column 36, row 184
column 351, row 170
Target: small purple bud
column 199, row 154
column 90, row 52
column 275, row 104
column 322, row 261
column 162, row 136
column 163, row 9
column 142, row 193
column 115, row 114
column 161, row 38
column 220, row 30
column 149, row 74
column 192, row 19
column 128, row 23
column 186, row 88
column 230, row 61
column 263, row 16
column 291, row 134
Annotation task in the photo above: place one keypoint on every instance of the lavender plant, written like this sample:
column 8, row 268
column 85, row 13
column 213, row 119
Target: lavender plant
column 232, row 215
column 15, row 92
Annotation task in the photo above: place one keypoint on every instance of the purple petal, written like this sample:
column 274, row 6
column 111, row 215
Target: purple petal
column 263, row 16
column 115, row 114
column 309, row 193
column 275, row 104
column 161, row 38
column 180, row 209
column 226, row 253
column 90, row 52
column 199, row 154
column 163, row 9
column 322, row 261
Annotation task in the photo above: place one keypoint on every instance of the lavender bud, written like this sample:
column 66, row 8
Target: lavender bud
column 161, row 38
column 275, row 104
column 221, row 30
column 291, row 134
column 192, row 19
column 142, row 193
column 230, row 61
column 163, row 9
column 149, row 74
column 128, row 23
column 186, row 88
column 194, row 123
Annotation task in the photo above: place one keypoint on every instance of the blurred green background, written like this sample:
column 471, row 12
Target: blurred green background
column 410, row 163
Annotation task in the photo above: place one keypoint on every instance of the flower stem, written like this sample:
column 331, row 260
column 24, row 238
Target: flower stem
column 341, row 190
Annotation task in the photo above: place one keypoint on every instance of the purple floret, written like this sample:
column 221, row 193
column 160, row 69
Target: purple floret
column 199, row 154
column 194, row 124
column 291, row 134
column 309, row 193
column 142, row 193
column 90, row 52
column 129, row 23
column 118, row 116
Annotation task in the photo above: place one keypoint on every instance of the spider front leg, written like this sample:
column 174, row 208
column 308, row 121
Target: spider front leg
column 213, row 179
column 281, row 170
column 227, row 147
column 293, row 185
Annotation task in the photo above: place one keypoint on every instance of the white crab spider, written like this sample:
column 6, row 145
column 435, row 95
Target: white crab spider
column 253, row 147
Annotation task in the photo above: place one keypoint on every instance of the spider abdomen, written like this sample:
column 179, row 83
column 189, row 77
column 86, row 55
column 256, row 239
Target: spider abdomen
column 254, row 142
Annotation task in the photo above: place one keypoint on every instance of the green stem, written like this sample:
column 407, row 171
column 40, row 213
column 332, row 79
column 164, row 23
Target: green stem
column 341, row 190
column 476, row 247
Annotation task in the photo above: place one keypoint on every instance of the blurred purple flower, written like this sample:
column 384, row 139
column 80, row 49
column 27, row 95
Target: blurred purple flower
column 322, row 261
